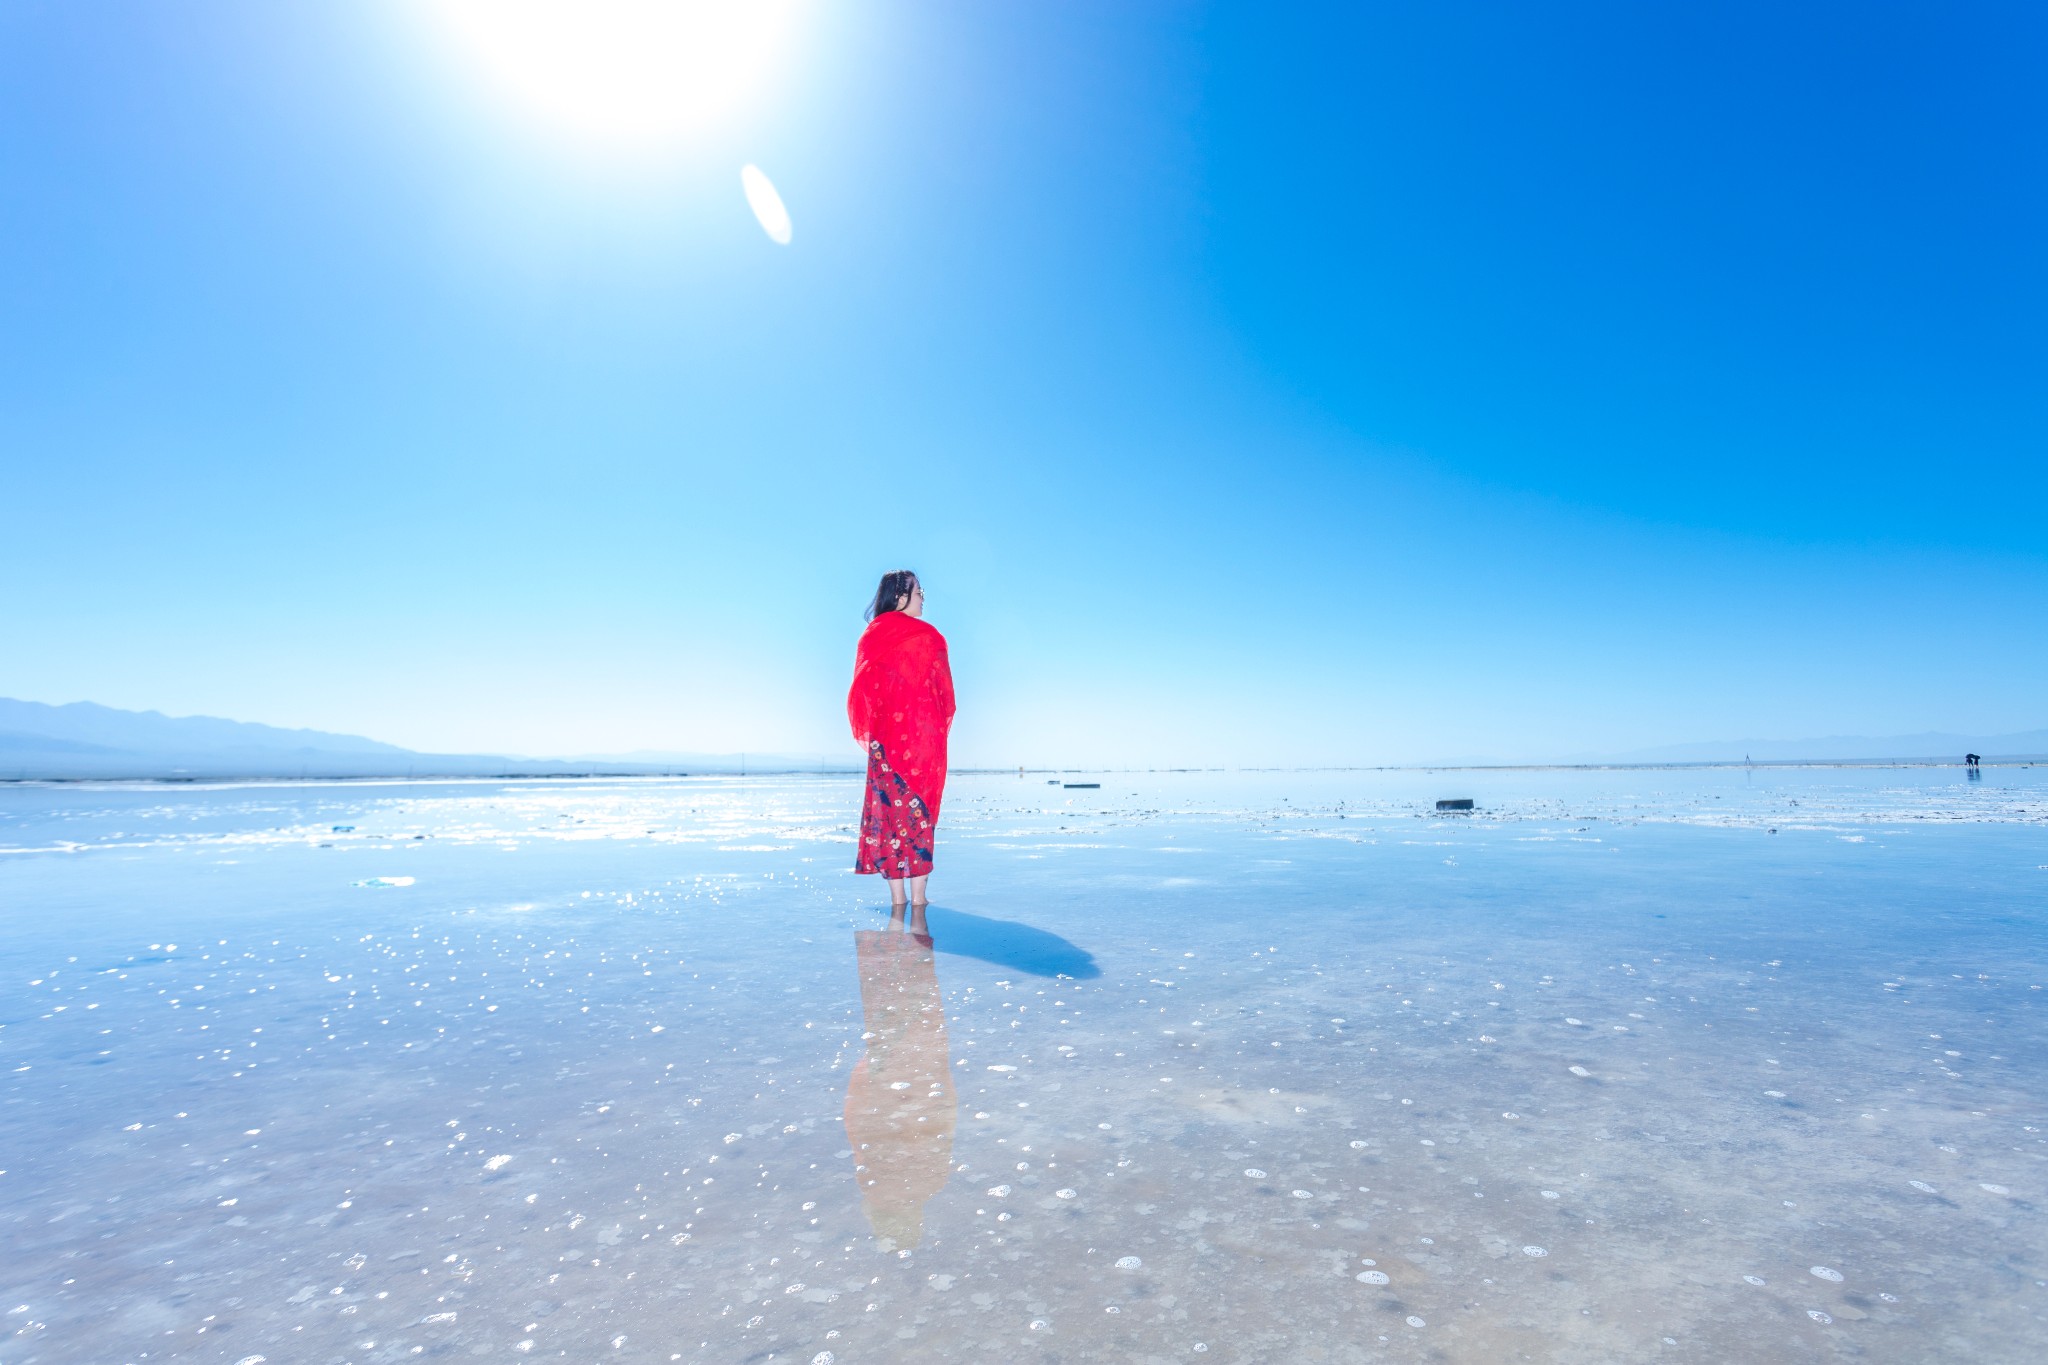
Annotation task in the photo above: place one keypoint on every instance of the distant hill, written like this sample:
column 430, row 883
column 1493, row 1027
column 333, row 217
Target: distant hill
column 102, row 728
column 1843, row 748
column 86, row 740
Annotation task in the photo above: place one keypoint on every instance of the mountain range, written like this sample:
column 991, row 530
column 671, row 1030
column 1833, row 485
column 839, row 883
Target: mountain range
column 87, row 740
column 85, row 727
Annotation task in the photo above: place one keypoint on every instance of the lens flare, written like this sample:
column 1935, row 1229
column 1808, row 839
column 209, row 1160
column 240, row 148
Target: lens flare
column 766, row 204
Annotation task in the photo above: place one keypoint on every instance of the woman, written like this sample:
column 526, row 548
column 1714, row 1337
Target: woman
column 901, row 708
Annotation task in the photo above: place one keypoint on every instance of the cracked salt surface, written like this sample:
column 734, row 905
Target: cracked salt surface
column 640, row 1063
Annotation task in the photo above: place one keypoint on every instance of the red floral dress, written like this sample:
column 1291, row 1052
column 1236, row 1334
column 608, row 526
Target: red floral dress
column 901, row 710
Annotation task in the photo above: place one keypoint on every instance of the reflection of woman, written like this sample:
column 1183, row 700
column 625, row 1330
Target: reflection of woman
column 899, row 1102
column 901, row 708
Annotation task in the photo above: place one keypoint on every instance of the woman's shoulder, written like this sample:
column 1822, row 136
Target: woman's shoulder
column 899, row 625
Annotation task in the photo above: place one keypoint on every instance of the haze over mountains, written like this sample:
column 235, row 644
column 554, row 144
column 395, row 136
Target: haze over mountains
column 86, row 740
column 86, row 727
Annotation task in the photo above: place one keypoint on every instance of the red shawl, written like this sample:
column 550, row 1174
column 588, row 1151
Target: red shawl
column 902, row 696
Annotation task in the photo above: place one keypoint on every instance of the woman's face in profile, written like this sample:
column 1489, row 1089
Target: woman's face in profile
column 912, row 603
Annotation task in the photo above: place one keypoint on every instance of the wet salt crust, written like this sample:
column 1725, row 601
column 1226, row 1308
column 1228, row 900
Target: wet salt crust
column 623, row 1070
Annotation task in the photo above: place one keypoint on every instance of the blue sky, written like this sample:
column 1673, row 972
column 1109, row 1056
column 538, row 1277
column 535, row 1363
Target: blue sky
column 1249, row 385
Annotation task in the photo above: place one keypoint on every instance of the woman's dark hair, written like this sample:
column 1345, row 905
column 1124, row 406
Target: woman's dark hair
column 896, row 585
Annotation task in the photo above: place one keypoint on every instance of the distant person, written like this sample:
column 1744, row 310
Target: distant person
column 901, row 709
column 1971, row 760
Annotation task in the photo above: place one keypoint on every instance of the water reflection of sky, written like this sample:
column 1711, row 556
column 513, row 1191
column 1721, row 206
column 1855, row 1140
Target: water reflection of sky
column 1234, row 1049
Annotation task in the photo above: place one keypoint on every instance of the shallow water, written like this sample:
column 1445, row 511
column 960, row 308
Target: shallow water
column 1691, row 1065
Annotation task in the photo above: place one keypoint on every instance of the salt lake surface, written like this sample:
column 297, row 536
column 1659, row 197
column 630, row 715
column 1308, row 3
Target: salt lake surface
column 1650, row 1065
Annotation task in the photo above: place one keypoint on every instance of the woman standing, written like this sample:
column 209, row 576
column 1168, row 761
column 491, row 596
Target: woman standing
column 901, row 708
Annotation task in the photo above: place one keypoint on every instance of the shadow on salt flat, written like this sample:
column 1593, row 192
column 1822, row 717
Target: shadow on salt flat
column 1006, row 943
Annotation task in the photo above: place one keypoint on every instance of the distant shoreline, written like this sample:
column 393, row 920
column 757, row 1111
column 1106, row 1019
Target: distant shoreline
column 620, row 775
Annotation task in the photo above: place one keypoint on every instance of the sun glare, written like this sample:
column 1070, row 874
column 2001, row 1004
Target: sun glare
column 629, row 72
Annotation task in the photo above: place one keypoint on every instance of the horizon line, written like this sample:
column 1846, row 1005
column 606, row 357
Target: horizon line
column 600, row 775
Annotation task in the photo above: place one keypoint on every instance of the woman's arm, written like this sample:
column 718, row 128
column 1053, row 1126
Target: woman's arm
column 859, row 701
column 942, row 685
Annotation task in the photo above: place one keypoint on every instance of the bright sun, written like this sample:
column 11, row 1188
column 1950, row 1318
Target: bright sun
column 643, row 72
